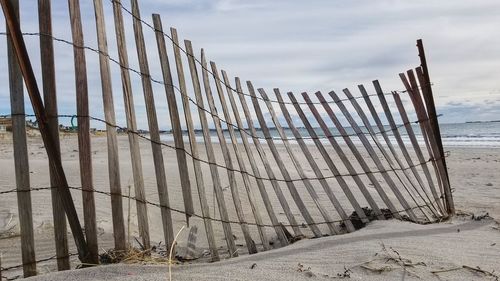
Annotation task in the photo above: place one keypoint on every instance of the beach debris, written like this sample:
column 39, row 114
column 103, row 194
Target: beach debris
column 358, row 223
column 481, row 217
column 476, row 269
column 290, row 237
column 489, row 184
column 254, row 265
column 307, row 271
column 346, row 274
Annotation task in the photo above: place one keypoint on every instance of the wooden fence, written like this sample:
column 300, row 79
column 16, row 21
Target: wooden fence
column 327, row 179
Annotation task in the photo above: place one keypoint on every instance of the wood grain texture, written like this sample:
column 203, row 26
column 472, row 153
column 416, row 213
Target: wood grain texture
column 370, row 151
column 314, row 166
column 233, row 186
column 435, row 135
column 50, row 102
column 109, row 116
column 219, row 194
column 21, row 161
column 418, row 150
column 346, row 161
column 267, row 165
column 239, row 157
column 200, row 183
column 404, row 150
column 253, row 164
column 281, row 165
column 296, row 163
column 174, row 116
column 133, row 138
column 161, row 178
column 23, row 59
column 331, row 165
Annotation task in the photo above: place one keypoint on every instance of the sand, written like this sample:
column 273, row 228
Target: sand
column 473, row 173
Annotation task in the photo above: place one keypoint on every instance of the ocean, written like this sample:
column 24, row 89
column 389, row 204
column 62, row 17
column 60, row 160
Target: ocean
column 476, row 134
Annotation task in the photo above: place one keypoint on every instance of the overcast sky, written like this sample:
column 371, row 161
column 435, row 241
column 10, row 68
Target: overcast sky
column 298, row 46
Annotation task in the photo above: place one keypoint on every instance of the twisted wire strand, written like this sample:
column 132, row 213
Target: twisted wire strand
column 142, row 136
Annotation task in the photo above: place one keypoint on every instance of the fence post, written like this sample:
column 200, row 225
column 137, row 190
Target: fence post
column 36, row 100
column 133, row 138
column 267, row 165
column 431, row 109
column 21, row 162
column 109, row 115
column 161, row 179
column 253, row 164
column 233, row 186
column 219, row 193
column 281, row 165
column 174, row 116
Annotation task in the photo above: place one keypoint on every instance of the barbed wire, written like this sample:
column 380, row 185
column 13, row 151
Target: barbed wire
column 194, row 102
column 190, row 154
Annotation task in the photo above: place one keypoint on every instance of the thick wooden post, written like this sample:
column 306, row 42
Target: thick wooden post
column 109, row 115
column 431, row 109
column 161, row 178
column 21, row 163
column 39, row 109
column 133, row 138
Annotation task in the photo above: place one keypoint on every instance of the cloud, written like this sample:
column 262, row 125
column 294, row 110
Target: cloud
column 296, row 46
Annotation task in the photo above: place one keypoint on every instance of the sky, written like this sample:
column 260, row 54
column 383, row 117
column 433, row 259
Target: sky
column 295, row 46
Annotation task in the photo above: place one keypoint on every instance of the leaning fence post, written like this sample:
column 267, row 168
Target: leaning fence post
column 133, row 138
column 161, row 178
column 174, row 116
column 109, row 115
column 431, row 109
column 21, row 162
column 36, row 100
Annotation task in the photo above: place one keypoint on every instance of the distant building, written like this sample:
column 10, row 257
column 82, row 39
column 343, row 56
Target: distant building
column 5, row 124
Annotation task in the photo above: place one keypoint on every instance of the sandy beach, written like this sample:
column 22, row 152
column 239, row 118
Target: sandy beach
column 461, row 241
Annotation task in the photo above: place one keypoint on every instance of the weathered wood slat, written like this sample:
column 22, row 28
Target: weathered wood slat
column 84, row 144
column 109, row 116
column 267, row 165
column 21, row 161
column 432, row 138
column 50, row 102
column 425, row 84
column 18, row 44
column 349, row 166
column 423, row 127
column 227, row 158
column 402, row 147
column 174, row 116
column 161, row 178
column 417, row 149
column 330, row 163
column 368, row 147
column 248, row 149
column 382, row 131
column 200, row 183
column 313, row 164
column 246, row 179
column 133, row 138
column 281, row 165
column 233, row 252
